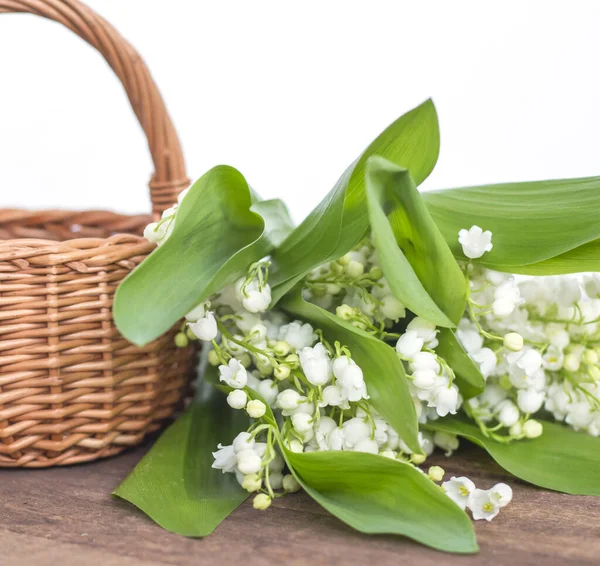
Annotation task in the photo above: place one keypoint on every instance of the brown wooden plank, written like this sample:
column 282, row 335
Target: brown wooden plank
column 68, row 514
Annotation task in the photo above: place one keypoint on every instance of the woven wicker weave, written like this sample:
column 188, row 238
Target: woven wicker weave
column 71, row 388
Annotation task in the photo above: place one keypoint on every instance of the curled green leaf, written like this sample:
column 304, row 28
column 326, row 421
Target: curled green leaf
column 415, row 259
column 218, row 233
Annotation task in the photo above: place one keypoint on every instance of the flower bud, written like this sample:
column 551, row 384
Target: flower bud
column 281, row 348
column 237, row 399
column 532, row 429
column 256, row 408
column 516, row 430
column 282, row 372
column 392, row 308
column 213, row 358
column 354, row 269
column 252, row 483
column 261, row 502
column 508, row 413
column 345, row 312
column 302, row 422
column 181, row 340
column 417, row 458
column 333, row 289
column 436, row 473
column 595, row 373
column 290, row 484
column 513, row 341
column 276, row 480
column 296, row 446
column 571, row 362
column 289, row 399
column 336, row 267
column 292, row 360
column 590, row 357
column 344, row 260
column 376, row 273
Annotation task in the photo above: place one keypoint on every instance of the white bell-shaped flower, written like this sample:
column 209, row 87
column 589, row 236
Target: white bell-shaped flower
column 426, row 330
column 225, row 459
column 234, row 374
column 355, row 430
column 409, row 344
column 482, row 505
column 459, row 490
column 475, row 242
column 237, row 399
column 205, row 328
column 486, row 360
column 243, row 441
column 501, row 494
column 508, row 413
column 298, row 335
column 289, row 399
column 316, row 364
column 248, row 462
column 530, row 401
column 352, row 383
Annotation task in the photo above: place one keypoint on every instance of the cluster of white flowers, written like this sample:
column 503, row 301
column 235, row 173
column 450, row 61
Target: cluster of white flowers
column 537, row 341
column 316, row 390
column 355, row 288
column 483, row 504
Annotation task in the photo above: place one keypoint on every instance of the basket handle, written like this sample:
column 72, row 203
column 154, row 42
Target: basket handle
column 169, row 178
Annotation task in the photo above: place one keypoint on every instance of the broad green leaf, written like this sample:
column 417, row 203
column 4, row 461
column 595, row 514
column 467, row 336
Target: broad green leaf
column 374, row 494
column 377, row 495
column 175, row 485
column 340, row 221
column 414, row 257
column 538, row 228
column 468, row 377
column 218, row 233
column 561, row 459
column 383, row 371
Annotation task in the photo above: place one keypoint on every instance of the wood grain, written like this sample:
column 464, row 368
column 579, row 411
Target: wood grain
column 66, row 516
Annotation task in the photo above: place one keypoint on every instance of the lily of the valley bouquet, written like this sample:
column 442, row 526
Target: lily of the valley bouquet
column 338, row 355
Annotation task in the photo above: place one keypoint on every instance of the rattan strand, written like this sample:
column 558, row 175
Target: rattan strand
column 71, row 388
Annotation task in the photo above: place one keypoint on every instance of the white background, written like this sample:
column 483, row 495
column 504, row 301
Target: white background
column 291, row 92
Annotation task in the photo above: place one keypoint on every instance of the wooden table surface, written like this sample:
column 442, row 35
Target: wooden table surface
column 66, row 517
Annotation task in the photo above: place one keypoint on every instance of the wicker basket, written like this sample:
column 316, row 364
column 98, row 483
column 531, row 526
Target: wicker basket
column 71, row 388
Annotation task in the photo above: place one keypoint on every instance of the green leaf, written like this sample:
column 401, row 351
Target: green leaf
column 414, row 257
column 175, row 485
column 374, row 494
column 218, row 233
column 468, row 377
column 383, row 371
column 561, row 459
column 377, row 495
column 340, row 221
column 538, row 228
